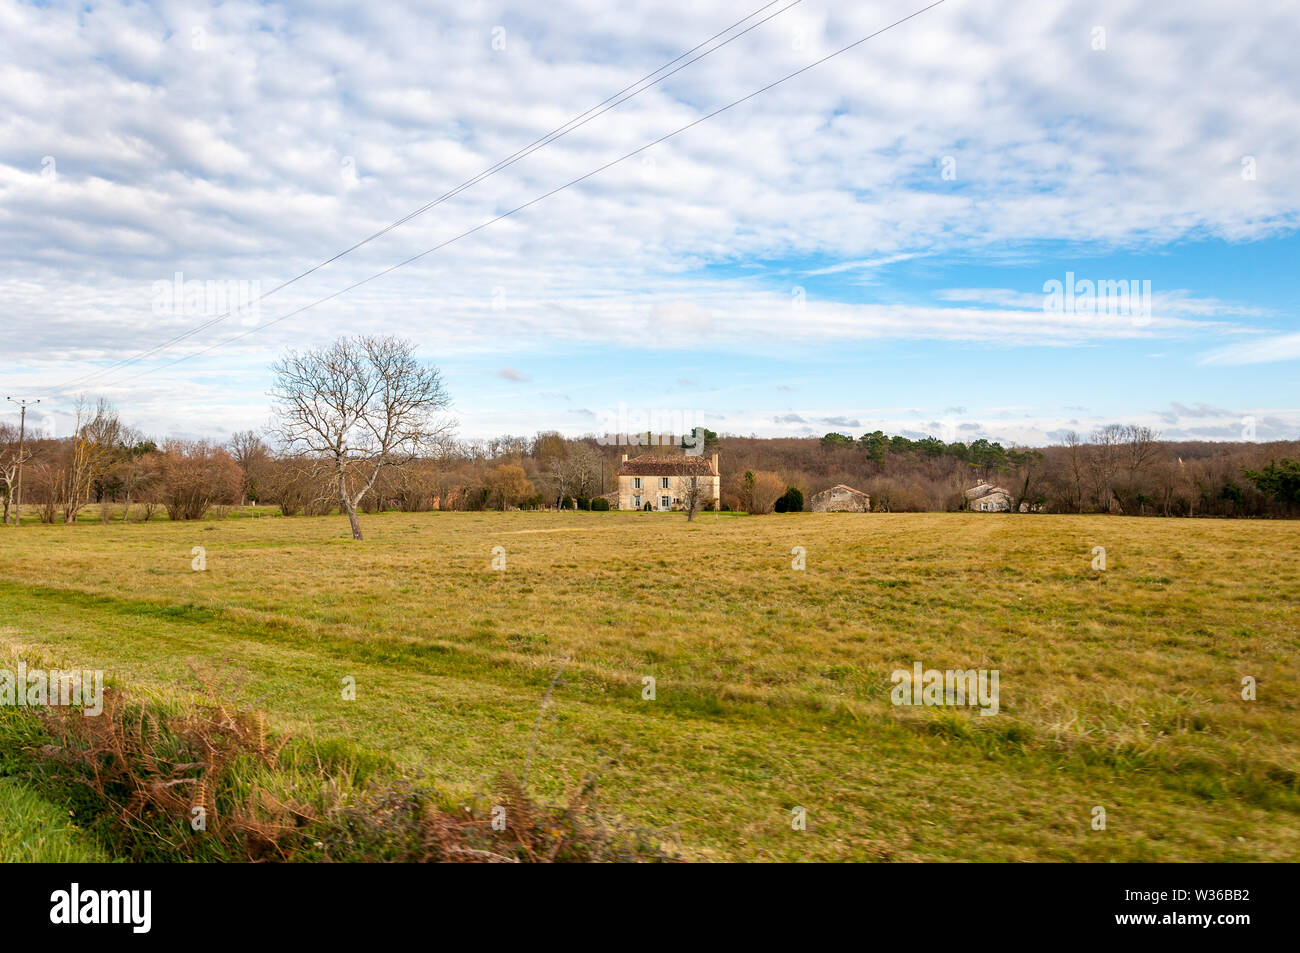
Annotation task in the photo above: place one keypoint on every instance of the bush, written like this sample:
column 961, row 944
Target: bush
column 764, row 491
column 194, row 476
column 790, row 502
column 600, row 504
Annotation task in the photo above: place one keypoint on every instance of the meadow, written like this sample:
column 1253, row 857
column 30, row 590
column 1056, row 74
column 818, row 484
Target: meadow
column 1119, row 688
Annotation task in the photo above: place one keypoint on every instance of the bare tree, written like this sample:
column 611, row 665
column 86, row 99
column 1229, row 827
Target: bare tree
column 13, row 455
column 137, row 468
column 359, row 406
column 1075, row 452
column 254, row 459
column 96, row 437
column 1025, row 468
column 1104, row 463
column 694, row 493
column 578, row 472
column 765, row 490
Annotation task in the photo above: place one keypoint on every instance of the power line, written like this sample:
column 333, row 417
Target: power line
column 560, row 131
column 540, row 198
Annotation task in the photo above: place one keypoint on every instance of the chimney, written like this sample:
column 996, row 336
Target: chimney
column 715, row 464
column 625, row 458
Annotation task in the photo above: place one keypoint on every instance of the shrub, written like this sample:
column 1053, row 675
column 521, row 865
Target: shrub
column 765, row 490
column 790, row 502
column 194, row 476
column 600, row 504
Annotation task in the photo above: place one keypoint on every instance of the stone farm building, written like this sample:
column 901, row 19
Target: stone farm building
column 661, row 481
column 840, row 499
column 986, row 498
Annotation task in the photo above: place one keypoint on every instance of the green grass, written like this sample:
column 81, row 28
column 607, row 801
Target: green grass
column 1118, row 688
column 35, row 830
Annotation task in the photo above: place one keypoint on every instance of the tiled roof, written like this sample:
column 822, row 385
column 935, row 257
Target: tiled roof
column 984, row 489
column 652, row 464
column 841, row 486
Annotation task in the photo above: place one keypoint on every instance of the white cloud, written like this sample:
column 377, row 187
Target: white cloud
column 1263, row 350
column 284, row 137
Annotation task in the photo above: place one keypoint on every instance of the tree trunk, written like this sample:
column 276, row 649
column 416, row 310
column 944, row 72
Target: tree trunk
column 349, row 504
column 352, row 518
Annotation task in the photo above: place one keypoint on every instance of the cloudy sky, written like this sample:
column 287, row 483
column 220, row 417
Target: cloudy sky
column 906, row 237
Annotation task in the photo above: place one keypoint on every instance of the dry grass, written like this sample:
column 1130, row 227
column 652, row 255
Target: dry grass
column 1119, row 689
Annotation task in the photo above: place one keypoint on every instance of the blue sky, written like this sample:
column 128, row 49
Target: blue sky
column 865, row 247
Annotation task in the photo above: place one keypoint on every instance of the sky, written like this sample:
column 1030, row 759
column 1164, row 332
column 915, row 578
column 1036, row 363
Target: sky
column 909, row 236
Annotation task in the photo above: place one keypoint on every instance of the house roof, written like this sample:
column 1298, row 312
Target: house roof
column 654, row 464
column 982, row 489
column 841, row 486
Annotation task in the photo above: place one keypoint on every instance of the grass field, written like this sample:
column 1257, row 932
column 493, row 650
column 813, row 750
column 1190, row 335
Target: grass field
column 1119, row 688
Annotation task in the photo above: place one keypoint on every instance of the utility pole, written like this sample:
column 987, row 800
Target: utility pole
column 22, row 434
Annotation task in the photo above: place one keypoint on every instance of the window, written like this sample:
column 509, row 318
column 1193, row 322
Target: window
column 636, row 483
column 663, row 483
column 636, row 501
column 663, row 503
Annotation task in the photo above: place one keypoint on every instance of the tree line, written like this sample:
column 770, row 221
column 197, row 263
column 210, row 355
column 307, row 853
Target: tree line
column 360, row 426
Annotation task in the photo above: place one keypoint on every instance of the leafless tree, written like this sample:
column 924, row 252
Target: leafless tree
column 1142, row 447
column 136, row 470
column 1104, row 463
column 10, row 462
column 765, row 490
column 1074, row 455
column 578, row 472
column 254, row 458
column 695, row 491
column 96, row 437
column 359, row 406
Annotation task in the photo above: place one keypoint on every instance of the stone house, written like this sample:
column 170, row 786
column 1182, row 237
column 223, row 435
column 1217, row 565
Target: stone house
column 984, row 497
column 840, row 499
column 661, row 480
